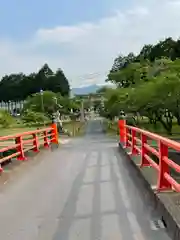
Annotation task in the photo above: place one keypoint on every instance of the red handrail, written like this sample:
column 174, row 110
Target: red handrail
column 137, row 140
column 25, row 141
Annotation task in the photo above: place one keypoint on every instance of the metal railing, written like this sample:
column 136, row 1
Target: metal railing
column 23, row 142
column 138, row 141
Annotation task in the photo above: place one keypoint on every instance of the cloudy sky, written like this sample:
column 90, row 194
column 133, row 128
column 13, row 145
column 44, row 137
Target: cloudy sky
column 80, row 36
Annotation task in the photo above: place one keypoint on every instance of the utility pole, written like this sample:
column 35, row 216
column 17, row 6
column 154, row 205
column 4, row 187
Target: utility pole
column 42, row 100
column 42, row 103
column 82, row 110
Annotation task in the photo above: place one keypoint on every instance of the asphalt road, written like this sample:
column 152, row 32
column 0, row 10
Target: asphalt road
column 81, row 191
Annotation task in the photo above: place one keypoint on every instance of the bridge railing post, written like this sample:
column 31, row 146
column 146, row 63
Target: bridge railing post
column 35, row 142
column 127, row 138
column 163, row 184
column 19, row 148
column 139, row 141
column 144, row 161
column 122, row 130
column 46, row 143
column 54, row 132
column 133, row 141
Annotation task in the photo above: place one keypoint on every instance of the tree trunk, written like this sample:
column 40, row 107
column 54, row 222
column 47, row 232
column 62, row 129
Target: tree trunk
column 167, row 125
column 177, row 116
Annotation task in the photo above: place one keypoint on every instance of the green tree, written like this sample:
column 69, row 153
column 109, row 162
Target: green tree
column 34, row 117
column 58, row 83
column 19, row 86
column 45, row 103
column 10, row 87
column 122, row 61
column 5, row 118
column 148, row 84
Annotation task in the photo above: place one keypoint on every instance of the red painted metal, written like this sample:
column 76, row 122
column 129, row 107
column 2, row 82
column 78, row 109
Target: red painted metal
column 54, row 133
column 133, row 145
column 163, row 183
column 122, row 129
column 143, row 147
column 26, row 141
column 144, row 151
column 46, row 143
column 127, row 144
column 35, row 142
column 20, row 150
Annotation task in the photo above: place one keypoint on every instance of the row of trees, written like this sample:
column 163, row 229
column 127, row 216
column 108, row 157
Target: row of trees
column 52, row 102
column 39, row 109
column 17, row 87
column 147, row 84
column 167, row 48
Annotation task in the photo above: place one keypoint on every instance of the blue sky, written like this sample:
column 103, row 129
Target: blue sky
column 20, row 18
column 82, row 37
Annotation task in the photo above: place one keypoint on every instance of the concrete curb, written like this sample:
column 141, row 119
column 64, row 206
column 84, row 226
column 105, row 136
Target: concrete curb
column 172, row 227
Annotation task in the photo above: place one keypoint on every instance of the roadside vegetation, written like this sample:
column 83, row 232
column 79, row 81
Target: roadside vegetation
column 147, row 89
column 44, row 93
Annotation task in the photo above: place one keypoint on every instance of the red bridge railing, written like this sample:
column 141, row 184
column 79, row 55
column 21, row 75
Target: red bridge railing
column 138, row 141
column 20, row 143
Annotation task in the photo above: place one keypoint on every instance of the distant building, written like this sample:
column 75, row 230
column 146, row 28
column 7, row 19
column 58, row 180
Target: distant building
column 12, row 107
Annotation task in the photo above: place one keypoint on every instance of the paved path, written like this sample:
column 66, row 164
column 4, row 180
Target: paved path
column 82, row 191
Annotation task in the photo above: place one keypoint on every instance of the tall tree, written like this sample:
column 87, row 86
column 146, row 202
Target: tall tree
column 42, row 78
column 58, row 83
column 19, row 86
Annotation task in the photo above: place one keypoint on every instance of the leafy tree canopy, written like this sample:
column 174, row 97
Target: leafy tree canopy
column 19, row 86
column 148, row 84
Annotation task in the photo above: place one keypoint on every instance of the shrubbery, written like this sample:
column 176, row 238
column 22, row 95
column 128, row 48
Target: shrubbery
column 34, row 117
column 5, row 118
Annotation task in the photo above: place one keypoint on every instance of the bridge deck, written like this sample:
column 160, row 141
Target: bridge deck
column 82, row 191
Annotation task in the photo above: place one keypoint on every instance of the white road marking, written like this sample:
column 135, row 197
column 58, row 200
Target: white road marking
column 64, row 141
column 153, row 226
column 161, row 224
column 156, row 225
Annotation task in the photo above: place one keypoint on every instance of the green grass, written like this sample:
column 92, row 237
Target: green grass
column 111, row 128
column 15, row 130
column 158, row 128
column 76, row 128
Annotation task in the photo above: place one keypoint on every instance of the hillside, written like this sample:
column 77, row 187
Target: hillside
column 88, row 89
column 85, row 90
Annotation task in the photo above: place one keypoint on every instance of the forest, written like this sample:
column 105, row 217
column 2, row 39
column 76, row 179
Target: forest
column 147, row 87
column 18, row 86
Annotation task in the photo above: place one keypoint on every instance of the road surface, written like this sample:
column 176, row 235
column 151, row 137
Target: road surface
column 81, row 191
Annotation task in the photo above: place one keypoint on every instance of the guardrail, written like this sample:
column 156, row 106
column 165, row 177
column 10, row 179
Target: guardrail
column 138, row 141
column 23, row 142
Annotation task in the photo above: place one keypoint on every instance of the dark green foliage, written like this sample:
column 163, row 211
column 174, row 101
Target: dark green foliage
column 34, row 117
column 19, row 86
column 147, row 85
column 5, row 118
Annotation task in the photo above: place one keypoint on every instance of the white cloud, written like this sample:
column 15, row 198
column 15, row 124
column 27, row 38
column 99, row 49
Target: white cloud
column 89, row 48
